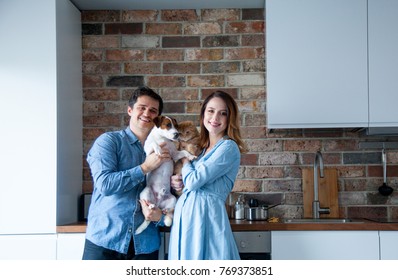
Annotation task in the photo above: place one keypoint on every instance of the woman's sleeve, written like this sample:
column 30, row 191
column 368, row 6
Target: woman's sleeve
column 217, row 165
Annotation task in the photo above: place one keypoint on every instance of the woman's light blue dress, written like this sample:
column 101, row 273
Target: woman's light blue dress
column 201, row 228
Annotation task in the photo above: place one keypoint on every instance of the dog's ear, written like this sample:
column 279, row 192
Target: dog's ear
column 158, row 120
column 174, row 123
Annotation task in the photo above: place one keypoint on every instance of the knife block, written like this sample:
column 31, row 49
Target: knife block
column 327, row 190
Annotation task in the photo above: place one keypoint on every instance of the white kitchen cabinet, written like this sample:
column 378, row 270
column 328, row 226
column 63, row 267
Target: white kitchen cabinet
column 316, row 63
column 325, row 245
column 332, row 64
column 28, row 247
column 388, row 245
column 383, row 63
column 41, row 113
column 70, row 246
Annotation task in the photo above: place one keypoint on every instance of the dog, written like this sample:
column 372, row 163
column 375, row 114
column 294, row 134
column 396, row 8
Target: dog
column 157, row 190
column 189, row 141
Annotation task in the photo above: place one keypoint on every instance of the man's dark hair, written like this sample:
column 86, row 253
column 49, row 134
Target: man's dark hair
column 142, row 91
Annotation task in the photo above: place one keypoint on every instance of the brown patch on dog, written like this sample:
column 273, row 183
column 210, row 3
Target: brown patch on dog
column 165, row 122
column 158, row 120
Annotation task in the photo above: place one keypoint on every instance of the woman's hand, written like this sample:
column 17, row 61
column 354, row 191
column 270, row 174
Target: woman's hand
column 150, row 214
column 184, row 160
column 176, row 183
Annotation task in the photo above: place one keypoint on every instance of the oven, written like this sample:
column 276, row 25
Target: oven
column 252, row 245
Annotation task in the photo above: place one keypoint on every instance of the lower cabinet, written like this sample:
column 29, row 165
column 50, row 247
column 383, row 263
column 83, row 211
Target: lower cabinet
column 28, row 247
column 325, row 245
column 285, row 245
column 70, row 246
column 389, row 245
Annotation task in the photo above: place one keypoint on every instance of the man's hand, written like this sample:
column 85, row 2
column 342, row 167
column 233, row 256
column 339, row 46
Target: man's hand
column 154, row 160
column 153, row 214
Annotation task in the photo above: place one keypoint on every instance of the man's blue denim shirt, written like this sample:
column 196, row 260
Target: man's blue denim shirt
column 115, row 211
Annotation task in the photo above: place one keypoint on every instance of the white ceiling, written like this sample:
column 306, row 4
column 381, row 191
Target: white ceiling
column 165, row 4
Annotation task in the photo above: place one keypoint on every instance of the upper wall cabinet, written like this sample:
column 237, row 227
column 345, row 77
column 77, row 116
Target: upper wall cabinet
column 316, row 63
column 332, row 63
column 383, row 63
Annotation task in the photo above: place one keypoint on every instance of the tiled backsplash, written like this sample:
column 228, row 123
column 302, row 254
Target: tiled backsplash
column 185, row 55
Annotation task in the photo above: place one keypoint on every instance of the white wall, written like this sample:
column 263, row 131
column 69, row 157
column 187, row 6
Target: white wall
column 28, row 116
column 40, row 143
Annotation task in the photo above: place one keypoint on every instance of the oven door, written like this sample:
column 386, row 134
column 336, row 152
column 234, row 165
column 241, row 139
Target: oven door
column 252, row 245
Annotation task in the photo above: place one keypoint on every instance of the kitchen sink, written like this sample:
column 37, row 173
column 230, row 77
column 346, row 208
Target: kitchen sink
column 321, row 221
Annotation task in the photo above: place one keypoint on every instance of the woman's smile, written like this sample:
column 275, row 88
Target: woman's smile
column 215, row 117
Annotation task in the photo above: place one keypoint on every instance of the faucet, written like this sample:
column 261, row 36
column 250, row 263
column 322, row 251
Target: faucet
column 316, row 208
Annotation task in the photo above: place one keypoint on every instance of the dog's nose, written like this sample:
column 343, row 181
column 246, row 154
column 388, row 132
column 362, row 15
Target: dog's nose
column 176, row 135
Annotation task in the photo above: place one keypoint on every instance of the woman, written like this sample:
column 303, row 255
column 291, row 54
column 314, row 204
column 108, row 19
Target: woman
column 201, row 229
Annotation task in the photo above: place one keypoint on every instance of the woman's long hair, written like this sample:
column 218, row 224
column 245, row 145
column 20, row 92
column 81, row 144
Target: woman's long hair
column 233, row 126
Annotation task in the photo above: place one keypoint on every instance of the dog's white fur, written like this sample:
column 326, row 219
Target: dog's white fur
column 157, row 190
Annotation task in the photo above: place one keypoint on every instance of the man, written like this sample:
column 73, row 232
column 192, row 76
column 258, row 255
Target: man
column 118, row 165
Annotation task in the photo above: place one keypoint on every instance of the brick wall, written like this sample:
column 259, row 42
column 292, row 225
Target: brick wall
column 185, row 55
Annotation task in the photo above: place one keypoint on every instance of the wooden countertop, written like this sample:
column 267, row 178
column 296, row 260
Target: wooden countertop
column 244, row 225
column 79, row 227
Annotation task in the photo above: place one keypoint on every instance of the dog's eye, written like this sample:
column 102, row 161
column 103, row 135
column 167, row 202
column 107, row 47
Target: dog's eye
column 169, row 125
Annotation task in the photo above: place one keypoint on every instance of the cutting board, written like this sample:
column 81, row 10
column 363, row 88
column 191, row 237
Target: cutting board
column 328, row 192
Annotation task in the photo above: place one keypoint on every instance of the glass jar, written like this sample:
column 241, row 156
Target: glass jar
column 240, row 209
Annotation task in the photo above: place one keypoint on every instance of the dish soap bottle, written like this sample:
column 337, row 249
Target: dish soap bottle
column 240, row 209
